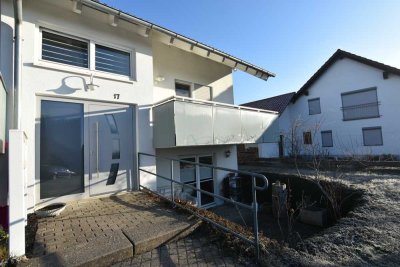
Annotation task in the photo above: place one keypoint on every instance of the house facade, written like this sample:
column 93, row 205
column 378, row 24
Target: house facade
column 347, row 108
column 91, row 87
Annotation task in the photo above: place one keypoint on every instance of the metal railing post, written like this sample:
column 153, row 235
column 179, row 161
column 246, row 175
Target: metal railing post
column 138, row 171
column 253, row 207
column 172, row 180
column 255, row 217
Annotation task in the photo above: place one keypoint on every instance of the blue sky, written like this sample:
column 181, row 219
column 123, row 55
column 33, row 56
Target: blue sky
column 290, row 38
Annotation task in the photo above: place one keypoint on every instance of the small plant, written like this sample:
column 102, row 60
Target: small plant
column 3, row 246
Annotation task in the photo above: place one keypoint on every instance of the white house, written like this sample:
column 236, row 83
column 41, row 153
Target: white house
column 347, row 108
column 89, row 87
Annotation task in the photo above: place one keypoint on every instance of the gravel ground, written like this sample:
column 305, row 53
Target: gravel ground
column 368, row 236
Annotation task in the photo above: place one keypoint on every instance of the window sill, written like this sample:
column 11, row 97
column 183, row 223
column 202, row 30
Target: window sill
column 82, row 71
column 363, row 118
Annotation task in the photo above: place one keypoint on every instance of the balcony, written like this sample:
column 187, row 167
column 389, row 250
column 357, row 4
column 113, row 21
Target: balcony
column 363, row 111
column 181, row 121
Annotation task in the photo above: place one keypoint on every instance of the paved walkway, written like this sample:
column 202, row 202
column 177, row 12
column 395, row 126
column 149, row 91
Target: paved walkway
column 194, row 250
column 99, row 223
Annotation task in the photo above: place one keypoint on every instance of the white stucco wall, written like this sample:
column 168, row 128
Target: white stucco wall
column 344, row 76
column 175, row 64
column 40, row 78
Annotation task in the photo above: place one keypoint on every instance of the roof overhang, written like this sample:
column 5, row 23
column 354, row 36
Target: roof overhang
column 174, row 39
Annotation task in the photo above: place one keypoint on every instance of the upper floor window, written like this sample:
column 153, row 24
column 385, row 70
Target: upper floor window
column 66, row 50
column 372, row 136
column 314, row 106
column 76, row 52
column 182, row 89
column 326, row 139
column 197, row 91
column 307, row 140
column 360, row 104
column 113, row 60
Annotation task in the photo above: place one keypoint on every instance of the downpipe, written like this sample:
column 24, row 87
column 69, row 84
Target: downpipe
column 17, row 64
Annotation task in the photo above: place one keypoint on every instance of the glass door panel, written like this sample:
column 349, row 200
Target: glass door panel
column 206, row 180
column 188, row 175
column 61, row 149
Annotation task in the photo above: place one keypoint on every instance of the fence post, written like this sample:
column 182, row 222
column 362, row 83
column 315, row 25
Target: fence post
column 17, row 191
column 172, row 178
column 255, row 217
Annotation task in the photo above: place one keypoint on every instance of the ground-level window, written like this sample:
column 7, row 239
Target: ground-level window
column 326, row 138
column 183, row 89
column 199, row 177
column 314, row 106
column 372, row 136
column 307, row 140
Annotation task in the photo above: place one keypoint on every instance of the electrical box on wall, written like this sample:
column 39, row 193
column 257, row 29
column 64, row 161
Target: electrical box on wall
column 3, row 111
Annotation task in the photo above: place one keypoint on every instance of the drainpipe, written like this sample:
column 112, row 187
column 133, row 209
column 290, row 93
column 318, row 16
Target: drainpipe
column 17, row 64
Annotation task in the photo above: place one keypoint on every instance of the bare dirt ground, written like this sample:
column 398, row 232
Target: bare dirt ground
column 368, row 236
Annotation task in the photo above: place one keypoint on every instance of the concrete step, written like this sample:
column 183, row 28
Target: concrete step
column 153, row 235
column 121, row 245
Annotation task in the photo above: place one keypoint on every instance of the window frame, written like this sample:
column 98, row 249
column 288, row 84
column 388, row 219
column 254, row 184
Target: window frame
column 189, row 84
column 319, row 102
column 73, row 37
column 192, row 90
column 131, row 62
column 325, row 132
column 307, row 138
column 43, row 63
column 356, row 92
column 197, row 180
column 372, row 128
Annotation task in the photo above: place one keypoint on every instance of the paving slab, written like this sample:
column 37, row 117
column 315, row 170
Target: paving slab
column 100, row 251
column 154, row 235
column 91, row 232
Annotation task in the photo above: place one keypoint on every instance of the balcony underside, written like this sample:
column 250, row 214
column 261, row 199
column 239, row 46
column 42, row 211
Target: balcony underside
column 187, row 122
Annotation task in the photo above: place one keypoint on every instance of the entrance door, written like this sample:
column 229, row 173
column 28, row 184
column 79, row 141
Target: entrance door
column 111, row 148
column 61, row 149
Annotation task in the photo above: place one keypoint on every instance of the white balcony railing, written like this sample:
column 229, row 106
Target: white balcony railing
column 181, row 121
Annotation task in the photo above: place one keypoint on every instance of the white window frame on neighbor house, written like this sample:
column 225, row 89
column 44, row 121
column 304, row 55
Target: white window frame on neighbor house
column 365, row 129
column 364, row 105
column 309, row 107
column 192, row 89
column 92, row 41
column 322, row 138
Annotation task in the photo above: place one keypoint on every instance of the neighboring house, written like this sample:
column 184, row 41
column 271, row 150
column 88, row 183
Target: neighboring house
column 96, row 86
column 272, row 142
column 347, row 108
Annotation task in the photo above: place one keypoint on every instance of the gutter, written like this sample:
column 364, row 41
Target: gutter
column 16, row 94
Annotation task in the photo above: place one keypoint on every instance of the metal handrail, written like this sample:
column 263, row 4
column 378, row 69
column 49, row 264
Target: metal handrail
column 253, row 207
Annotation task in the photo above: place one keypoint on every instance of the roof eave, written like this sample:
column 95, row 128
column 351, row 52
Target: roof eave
column 238, row 63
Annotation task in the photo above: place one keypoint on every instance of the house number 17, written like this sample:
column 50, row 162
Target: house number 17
column 116, row 96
